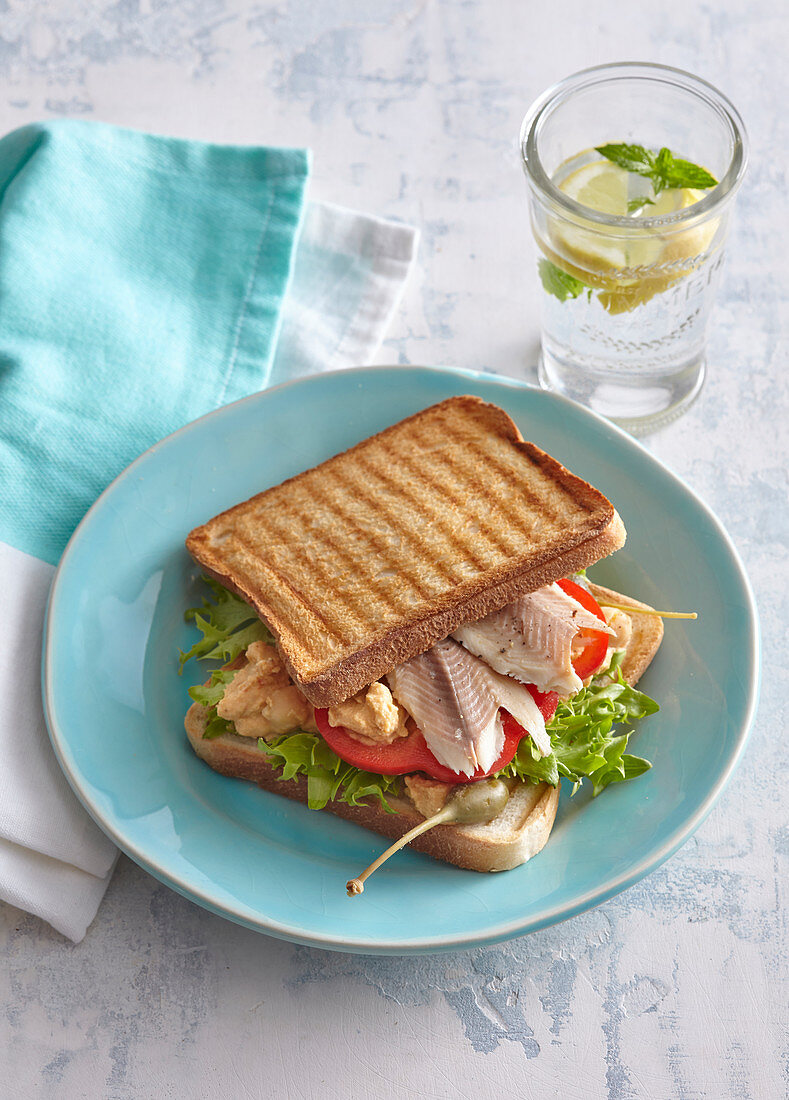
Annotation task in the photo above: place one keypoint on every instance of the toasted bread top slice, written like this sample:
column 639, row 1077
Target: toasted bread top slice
column 371, row 557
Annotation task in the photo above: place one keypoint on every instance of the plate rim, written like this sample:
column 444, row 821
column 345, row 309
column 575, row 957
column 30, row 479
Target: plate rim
column 410, row 945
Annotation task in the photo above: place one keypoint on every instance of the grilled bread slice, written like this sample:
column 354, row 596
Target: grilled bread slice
column 362, row 562
column 517, row 834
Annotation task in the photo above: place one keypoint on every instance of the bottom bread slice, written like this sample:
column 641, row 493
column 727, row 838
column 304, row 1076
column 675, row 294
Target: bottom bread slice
column 515, row 836
column 512, row 838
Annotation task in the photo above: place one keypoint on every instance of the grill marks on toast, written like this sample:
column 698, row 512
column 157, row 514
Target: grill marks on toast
column 504, row 523
column 470, row 490
column 426, row 500
column 505, row 473
column 435, row 495
column 403, row 550
column 334, row 602
column 374, row 540
column 368, row 549
column 281, row 581
column 446, row 482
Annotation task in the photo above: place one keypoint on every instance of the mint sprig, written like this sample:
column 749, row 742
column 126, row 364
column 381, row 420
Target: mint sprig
column 661, row 167
column 559, row 283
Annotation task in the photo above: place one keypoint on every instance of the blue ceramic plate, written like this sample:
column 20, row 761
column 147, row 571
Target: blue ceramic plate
column 115, row 703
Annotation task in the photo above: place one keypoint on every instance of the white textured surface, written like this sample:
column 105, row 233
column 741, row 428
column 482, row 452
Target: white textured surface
column 676, row 989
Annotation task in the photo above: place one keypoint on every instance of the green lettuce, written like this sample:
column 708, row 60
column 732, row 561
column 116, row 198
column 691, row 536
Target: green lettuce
column 209, row 694
column 584, row 741
column 228, row 626
column 216, row 726
column 329, row 778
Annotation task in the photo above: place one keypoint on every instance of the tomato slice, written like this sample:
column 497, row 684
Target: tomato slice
column 411, row 754
column 593, row 643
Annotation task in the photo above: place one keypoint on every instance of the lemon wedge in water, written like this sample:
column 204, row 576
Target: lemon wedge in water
column 631, row 265
column 601, row 186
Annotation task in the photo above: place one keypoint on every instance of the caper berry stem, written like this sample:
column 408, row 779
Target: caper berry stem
column 356, row 885
column 475, row 803
column 649, row 611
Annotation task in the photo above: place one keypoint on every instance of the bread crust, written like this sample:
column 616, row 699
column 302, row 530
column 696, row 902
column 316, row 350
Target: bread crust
column 285, row 594
column 647, row 632
column 515, row 836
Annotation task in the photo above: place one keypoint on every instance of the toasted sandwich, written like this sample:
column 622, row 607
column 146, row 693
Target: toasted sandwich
column 408, row 625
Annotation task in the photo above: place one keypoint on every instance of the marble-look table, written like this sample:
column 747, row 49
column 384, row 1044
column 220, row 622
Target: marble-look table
column 678, row 987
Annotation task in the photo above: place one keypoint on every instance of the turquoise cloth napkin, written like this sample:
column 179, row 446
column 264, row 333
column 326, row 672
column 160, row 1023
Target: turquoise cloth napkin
column 141, row 285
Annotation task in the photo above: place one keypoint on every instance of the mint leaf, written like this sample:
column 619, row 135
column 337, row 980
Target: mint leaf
column 633, row 158
column 682, row 173
column 558, row 282
column 663, row 160
column 638, row 204
column 661, row 167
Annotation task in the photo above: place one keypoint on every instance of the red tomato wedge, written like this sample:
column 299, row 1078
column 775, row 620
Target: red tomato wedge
column 411, row 754
column 594, row 643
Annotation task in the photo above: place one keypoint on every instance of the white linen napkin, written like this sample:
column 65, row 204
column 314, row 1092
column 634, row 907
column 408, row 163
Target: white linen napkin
column 55, row 862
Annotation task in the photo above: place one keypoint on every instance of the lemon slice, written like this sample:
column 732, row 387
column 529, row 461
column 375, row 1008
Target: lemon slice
column 627, row 264
column 607, row 188
column 601, row 186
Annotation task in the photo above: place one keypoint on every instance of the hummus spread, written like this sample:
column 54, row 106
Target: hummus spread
column 427, row 795
column 372, row 716
column 261, row 700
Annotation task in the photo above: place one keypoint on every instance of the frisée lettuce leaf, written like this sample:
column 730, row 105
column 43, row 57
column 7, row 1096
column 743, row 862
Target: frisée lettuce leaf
column 329, row 778
column 228, row 627
column 584, row 740
column 209, row 694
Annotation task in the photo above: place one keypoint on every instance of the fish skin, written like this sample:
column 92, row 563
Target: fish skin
column 531, row 639
column 455, row 699
column 444, row 690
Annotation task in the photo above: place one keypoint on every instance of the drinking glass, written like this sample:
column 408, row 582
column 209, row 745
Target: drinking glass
column 626, row 297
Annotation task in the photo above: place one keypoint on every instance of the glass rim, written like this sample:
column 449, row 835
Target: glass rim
column 643, row 70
